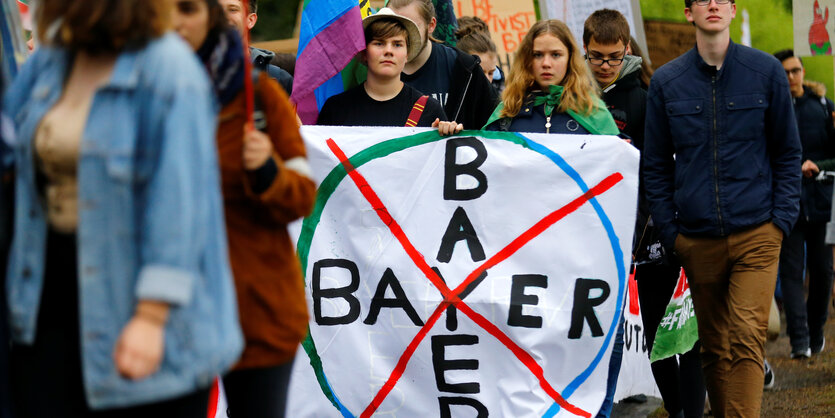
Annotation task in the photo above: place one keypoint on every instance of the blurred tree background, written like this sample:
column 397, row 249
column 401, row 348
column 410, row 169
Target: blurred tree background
column 770, row 22
column 771, row 30
column 276, row 19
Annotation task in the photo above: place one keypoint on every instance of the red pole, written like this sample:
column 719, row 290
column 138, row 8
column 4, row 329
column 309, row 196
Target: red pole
column 248, row 88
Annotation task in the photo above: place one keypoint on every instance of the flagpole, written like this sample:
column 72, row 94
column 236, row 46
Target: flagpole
column 248, row 87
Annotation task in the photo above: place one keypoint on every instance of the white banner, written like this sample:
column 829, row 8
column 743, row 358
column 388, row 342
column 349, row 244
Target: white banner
column 472, row 275
column 635, row 373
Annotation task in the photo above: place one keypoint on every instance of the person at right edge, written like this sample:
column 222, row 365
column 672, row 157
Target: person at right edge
column 721, row 173
column 805, row 318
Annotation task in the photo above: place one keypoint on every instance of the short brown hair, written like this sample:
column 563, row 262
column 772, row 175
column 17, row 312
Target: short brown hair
column 97, row 26
column 384, row 29
column 474, row 41
column 426, row 8
column 607, row 27
column 474, row 22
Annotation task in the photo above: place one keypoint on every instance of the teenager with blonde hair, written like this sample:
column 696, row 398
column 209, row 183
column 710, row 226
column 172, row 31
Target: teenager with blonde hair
column 550, row 88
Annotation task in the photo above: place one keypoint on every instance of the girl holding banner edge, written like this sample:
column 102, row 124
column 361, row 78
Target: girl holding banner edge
column 266, row 184
column 550, row 88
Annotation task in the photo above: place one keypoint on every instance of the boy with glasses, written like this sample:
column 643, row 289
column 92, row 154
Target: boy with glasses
column 606, row 42
column 721, row 172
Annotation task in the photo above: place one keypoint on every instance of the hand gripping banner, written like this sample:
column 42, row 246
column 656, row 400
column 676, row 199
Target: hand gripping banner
column 476, row 275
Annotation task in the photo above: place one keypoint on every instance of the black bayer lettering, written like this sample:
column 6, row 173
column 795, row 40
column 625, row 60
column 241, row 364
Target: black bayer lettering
column 389, row 280
column 452, row 170
column 460, row 229
column 441, row 364
column 446, row 402
column 518, row 298
column 345, row 292
column 583, row 309
column 451, row 311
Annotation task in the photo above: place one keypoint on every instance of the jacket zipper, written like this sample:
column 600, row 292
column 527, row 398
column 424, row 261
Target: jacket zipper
column 716, row 161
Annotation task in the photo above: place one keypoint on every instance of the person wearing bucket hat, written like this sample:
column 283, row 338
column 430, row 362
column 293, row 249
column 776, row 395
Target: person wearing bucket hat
column 383, row 99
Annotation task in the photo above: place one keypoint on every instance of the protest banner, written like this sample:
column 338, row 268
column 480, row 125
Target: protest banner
column 482, row 273
column 509, row 21
column 812, row 30
column 635, row 376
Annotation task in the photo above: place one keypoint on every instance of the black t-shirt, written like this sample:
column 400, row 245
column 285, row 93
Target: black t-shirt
column 434, row 77
column 355, row 108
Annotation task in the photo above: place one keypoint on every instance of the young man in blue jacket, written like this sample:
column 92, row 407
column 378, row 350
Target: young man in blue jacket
column 721, row 170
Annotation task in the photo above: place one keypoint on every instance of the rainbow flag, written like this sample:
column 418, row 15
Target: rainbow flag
column 330, row 36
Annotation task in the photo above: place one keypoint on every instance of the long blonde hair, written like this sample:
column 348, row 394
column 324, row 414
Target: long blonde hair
column 579, row 88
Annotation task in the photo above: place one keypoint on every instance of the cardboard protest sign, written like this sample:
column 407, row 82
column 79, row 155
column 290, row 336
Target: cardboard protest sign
column 481, row 274
column 812, row 28
column 575, row 12
column 509, row 21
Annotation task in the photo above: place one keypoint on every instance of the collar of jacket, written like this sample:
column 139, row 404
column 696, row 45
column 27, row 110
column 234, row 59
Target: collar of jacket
column 125, row 71
column 710, row 70
column 631, row 66
column 599, row 122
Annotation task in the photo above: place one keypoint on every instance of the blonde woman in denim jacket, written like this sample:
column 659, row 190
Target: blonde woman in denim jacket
column 120, row 297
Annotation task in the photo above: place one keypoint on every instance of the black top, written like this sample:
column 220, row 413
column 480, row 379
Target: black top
column 434, row 76
column 355, row 108
column 817, row 138
column 627, row 102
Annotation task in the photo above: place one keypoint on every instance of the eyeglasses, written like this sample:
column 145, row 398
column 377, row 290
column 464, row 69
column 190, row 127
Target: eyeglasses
column 706, row 2
column 613, row 62
column 794, row 72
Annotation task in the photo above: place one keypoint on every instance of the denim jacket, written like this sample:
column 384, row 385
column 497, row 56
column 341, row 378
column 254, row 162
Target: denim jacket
column 721, row 151
column 150, row 220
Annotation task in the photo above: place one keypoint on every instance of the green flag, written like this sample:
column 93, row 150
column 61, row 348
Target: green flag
column 678, row 331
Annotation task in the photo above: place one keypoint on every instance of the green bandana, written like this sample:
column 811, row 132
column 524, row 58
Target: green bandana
column 551, row 99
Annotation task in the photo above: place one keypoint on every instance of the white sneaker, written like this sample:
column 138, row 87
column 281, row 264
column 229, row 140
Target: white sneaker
column 817, row 350
column 803, row 354
column 769, row 376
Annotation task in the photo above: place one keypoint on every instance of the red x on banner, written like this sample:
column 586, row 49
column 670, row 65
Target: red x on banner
column 452, row 297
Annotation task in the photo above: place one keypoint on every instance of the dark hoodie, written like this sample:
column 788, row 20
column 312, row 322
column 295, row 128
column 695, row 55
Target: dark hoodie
column 627, row 101
column 261, row 60
column 471, row 96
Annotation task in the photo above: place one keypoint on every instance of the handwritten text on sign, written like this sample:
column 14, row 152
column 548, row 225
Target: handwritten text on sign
column 455, row 274
column 509, row 21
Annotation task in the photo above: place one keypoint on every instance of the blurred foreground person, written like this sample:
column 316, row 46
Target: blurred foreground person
column 266, row 184
column 120, row 297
